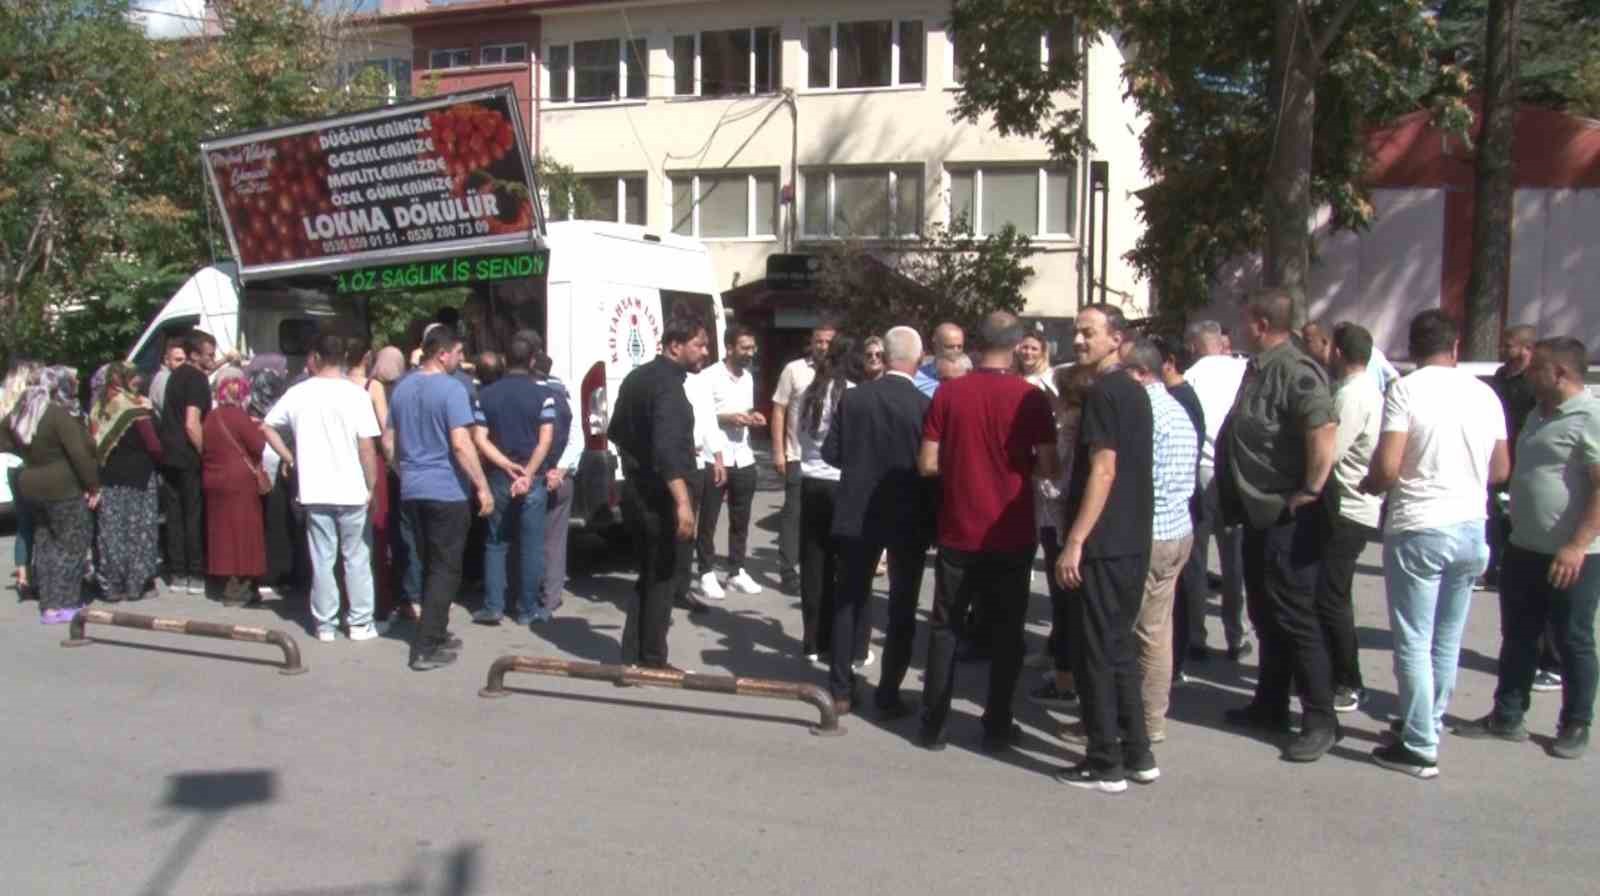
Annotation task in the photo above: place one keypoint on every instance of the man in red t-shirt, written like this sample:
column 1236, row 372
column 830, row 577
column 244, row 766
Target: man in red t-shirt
column 986, row 436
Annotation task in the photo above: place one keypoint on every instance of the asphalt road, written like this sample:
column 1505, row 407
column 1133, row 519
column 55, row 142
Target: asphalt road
column 150, row 763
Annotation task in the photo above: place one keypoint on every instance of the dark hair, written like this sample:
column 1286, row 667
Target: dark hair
column 1000, row 330
column 1432, row 333
column 355, row 351
column 442, row 338
column 489, row 368
column 1274, row 307
column 532, row 337
column 520, row 353
column 1073, row 383
column 449, row 316
column 171, row 343
column 735, row 333
column 1566, row 351
column 197, row 340
column 329, row 349
column 1116, row 321
column 843, row 364
column 1142, row 354
column 828, row 322
column 681, row 328
column 542, row 364
column 1353, row 342
column 1173, row 350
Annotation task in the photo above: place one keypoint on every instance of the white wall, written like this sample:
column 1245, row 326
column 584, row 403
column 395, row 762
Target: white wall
column 867, row 127
column 1555, row 263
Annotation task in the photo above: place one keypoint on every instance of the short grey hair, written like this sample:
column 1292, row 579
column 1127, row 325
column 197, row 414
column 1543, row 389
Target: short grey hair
column 902, row 345
column 1205, row 328
column 1143, row 355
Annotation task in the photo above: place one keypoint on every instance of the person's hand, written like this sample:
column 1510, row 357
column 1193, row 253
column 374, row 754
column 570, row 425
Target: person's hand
column 685, row 530
column 93, row 500
column 757, row 419
column 485, row 502
column 515, row 471
column 521, row 486
column 719, row 475
column 1299, row 500
column 1368, row 487
column 741, row 419
column 553, row 478
column 1068, row 572
column 778, row 463
column 1565, row 567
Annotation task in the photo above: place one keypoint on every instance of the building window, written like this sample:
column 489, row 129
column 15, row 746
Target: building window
column 724, row 205
column 881, row 53
column 449, row 58
column 1056, row 47
column 597, row 71
column 872, row 203
column 1037, row 201
column 727, row 63
column 500, row 54
column 396, row 71
column 617, row 198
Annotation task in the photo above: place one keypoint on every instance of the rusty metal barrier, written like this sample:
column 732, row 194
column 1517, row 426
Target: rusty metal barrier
column 291, row 650
column 828, row 726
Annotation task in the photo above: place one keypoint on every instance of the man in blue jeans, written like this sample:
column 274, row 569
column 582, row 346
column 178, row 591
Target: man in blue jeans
column 335, row 459
column 1550, row 575
column 430, row 415
column 519, row 414
column 1443, row 443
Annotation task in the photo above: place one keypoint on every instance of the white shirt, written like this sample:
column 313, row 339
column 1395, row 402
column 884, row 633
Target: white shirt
column 732, row 394
column 574, row 451
column 708, row 442
column 1453, row 421
column 795, row 379
column 327, row 416
column 1359, row 407
column 812, row 466
column 1216, row 380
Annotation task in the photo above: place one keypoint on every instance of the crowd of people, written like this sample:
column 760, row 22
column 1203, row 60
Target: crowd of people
column 357, row 481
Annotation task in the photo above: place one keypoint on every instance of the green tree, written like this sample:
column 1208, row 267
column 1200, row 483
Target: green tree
column 1555, row 39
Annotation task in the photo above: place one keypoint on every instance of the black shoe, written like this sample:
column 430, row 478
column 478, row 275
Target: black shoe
column 790, row 583
column 1052, row 697
column 1311, row 744
column 1199, row 654
column 486, row 617
column 112, row 598
column 1396, row 757
column 451, row 642
column 1347, row 699
column 1492, row 726
column 1087, row 777
column 1240, row 651
column 1571, row 742
column 1253, row 716
column 890, row 710
column 930, row 740
column 693, row 604
column 996, row 741
column 433, row 659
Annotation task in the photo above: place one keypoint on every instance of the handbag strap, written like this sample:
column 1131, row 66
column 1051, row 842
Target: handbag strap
column 255, row 469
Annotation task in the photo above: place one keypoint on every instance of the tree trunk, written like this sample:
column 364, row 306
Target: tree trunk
column 1292, row 88
column 1491, row 222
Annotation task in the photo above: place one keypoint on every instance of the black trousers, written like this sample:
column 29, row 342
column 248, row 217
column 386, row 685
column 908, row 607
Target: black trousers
column 1059, row 645
column 184, row 504
column 1530, row 607
column 1281, row 565
column 1000, row 582
column 1336, row 609
column 789, row 520
column 819, row 564
column 1106, row 660
column 741, row 493
column 1189, row 599
column 650, row 516
column 852, row 618
column 683, row 557
column 441, row 533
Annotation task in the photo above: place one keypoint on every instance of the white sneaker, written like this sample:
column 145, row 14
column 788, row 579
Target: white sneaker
column 710, row 587
column 326, row 635
column 742, row 581
column 363, row 632
column 872, row 657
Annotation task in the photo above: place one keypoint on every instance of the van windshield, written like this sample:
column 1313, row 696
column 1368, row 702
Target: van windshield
column 700, row 306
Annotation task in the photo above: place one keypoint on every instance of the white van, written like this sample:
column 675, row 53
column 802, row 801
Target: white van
column 610, row 289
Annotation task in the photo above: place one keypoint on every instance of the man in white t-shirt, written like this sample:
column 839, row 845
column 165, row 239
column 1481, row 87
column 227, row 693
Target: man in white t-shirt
column 1443, row 445
column 792, row 383
column 335, row 459
column 709, row 476
column 1215, row 376
column 733, row 400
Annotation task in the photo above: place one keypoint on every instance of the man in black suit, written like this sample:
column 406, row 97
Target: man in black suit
column 882, row 504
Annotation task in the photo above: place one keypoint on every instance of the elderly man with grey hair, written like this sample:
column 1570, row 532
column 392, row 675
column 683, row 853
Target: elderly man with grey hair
column 882, row 505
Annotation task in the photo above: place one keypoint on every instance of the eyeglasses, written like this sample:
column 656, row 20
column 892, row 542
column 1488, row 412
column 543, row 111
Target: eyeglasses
column 875, row 354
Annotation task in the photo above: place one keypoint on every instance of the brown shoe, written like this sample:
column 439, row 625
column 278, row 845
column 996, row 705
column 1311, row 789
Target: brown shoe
column 841, row 705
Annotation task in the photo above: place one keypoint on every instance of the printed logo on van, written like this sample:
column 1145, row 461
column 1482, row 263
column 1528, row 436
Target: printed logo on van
column 635, row 333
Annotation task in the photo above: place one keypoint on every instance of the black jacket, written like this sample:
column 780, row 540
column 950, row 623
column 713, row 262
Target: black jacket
column 873, row 440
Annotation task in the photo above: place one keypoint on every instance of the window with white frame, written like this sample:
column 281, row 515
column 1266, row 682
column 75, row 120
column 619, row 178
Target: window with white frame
column 449, row 58
column 1056, row 46
column 1037, row 200
column 862, row 202
column 727, row 63
column 500, row 54
column 879, row 53
column 597, row 71
column 725, row 205
column 618, row 198
column 396, row 71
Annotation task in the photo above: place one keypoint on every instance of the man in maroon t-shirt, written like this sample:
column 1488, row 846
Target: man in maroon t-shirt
column 986, row 436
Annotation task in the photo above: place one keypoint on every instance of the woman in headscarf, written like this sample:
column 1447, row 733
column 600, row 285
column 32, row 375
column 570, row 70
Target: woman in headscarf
column 128, row 448
column 62, row 483
column 23, row 374
column 236, row 551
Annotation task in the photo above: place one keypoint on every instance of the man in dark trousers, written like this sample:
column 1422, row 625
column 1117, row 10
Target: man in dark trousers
column 883, row 504
column 187, row 402
column 653, row 427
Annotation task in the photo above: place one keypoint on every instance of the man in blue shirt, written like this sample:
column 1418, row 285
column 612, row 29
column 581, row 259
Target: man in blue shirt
column 949, row 344
column 430, row 417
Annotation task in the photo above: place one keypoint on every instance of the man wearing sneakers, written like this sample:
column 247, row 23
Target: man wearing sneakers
column 733, row 398
column 1550, row 576
column 335, row 459
column 1443, row 445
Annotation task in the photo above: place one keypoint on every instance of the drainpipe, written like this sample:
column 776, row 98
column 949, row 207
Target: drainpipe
column 538, row 84
column 1086, row 212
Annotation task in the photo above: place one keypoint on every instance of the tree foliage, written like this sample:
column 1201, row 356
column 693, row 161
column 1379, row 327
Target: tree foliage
column 1558, row 42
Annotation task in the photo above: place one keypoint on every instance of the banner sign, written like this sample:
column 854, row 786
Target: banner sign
column 434, row 179
column 442, row 273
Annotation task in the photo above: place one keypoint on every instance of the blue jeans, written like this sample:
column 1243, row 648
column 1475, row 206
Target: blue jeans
column 339, row 532
column 1429, row 575
column 521, row 521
